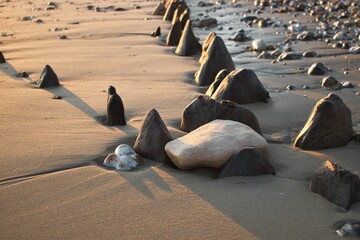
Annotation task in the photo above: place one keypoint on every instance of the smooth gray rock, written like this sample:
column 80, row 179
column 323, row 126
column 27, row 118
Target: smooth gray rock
column 115, row 108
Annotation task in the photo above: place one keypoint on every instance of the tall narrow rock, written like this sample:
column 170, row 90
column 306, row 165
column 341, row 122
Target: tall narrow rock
column 48, row 78
column 174, row 35
column 152, row 137
column 204, row 110
column 216, row 58
column 2, row 58
column 242, row 87
column 206, row 45
column 115, row 108
column 328, row 126
column 188, row 44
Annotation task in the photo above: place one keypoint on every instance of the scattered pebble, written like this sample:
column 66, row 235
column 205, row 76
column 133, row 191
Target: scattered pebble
column 62, row 37
column 57, row 97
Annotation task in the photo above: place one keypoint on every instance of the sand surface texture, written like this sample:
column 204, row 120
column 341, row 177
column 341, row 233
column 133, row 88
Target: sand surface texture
column 52, row 182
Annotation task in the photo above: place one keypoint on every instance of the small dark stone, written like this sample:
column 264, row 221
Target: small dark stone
column 306, row 36
column 242, row 87
column 330, row 83
column 289, row 56
column 204, row 110
column 156, row 33
column 248, row 161
column 239, row 37
column 336, row 184
column 62, row 37
column 57, row 97
column 48, row 78
column 290, row 87
column 115, row 108
column 324, row 128
column 120, row 9
column 22, row 75
column 152, row 138
column 317, row 69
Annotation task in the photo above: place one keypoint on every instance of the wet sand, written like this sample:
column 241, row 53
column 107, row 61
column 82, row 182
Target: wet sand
column 53, row 184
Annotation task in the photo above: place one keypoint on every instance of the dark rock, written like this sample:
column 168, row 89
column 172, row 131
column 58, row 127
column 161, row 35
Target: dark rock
column 324, row 128
column 290, row 87
column 2, row 58
column 152, row 137
column 330, row 83
column 22, row 75
column 317, row 69
column 174, row 34
column 242, row 87
column 248, row 161
column 347, row 84
column 184, row 17
column 204, row 110
column 188, row 45
column 248, row 19
column 218, row 79
column 309, row 54
column 239, row 37
column 56, row 97
column 206, row 45
column 178, row 11
column 156, row 33
column 305, row 36
column 289, row 56
column 159, row 10
column 115, row 108
column 351, row 229
column 263, row 23
column 207, row 22
column 215, row 59
column 336, row 184
column 62, row 37
column 120, row 9
column 48, row 78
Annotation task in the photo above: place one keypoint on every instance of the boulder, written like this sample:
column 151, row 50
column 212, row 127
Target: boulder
column 216, row 58
column 242, row 87
column 2, row 58
column 206, row 45
column 174, row 34
column 204, row 110
column 336, row 184
column 247, row 161
column 48, row 78
column 123, row 159
column 259, row 45
column 317, row 69
column 159, row 10
column 152, row 137
column 330, row 83
column 115, row 108
column 218, row 79
column 289, row 56
column 212, row 144
column 188, row 44
column 328, row 126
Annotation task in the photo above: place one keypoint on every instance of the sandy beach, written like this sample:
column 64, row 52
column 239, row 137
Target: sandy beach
column 53, row 184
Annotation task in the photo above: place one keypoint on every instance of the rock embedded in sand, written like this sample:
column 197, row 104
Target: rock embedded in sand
column 212, row 144
column 2, row 58
column 216, row 58
column 265, row 55
column 152, row 137
column 123, row 159
column 259, row 45
column 159, row 10
column 48, row 78
column 203, row 110
column 218, row 79
column 330, row 83
column 174, row 35
column 347, row 84
column 247, row 161
column 239, row 36
column 188, row 44
column 289, row 56
column 305, row 36
column 207, row 22
column 242, row 87
column 317, row 69
column 336, row 184
column 329, row 125
column 115, row 108
column 156, row 33
column 341, row 36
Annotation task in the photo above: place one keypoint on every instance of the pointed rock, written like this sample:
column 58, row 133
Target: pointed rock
column 177, row 13
column 159, row 10
column 216, row 58
column 242, row 87
column 48, row 78
column 204, row 110
column 247, row 161
column 174, row 35
column 2, row 58
column 206, row 45
column 218, row 79
column 188, row 44
column 329, row 125
column 152, row 137
column 156, row 33
column 115, row 108
column 184, row 17
column 169, row 14
column 336, row 184
column 212, row 144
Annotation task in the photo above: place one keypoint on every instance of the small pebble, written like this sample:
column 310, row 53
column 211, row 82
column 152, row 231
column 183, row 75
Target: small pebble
column 290, row 87
column 57, row 97
column 62, row 37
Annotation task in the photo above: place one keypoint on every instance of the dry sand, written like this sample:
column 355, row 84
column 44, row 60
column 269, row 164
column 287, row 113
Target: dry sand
column 52, row 182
